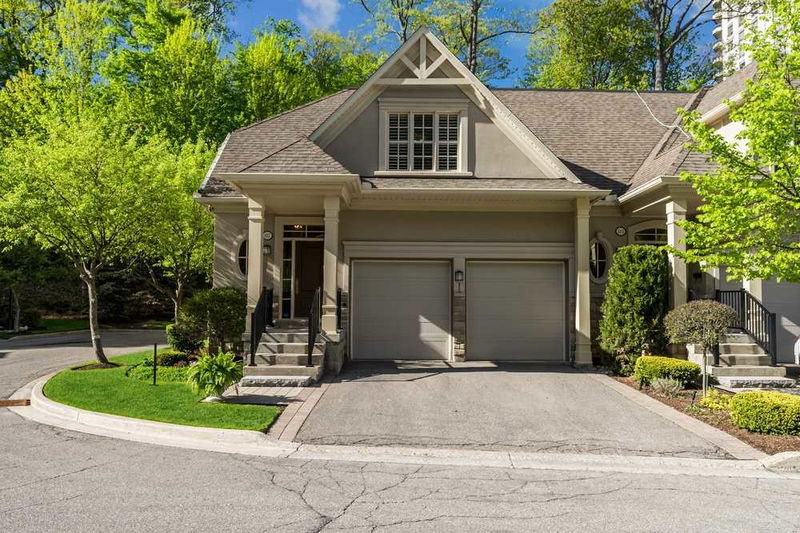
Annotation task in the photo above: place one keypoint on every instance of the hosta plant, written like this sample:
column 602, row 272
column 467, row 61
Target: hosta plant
column 213, row 374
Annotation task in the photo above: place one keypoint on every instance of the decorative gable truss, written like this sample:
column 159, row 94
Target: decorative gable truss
column 423, row 61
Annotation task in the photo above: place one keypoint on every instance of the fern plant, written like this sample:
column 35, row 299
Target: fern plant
column 213, row 374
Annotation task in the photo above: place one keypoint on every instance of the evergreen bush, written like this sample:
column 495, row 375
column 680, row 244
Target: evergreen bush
column 635, row 305
column 650, row 367
column 219, row 314
column 775, row 413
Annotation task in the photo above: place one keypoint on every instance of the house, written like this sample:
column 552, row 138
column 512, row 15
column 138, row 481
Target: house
column 446, row 220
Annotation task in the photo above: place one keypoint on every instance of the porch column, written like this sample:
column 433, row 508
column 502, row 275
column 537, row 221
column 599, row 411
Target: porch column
column 330, row 264
column 676, row 212
column 583, row 333
column 255, row 254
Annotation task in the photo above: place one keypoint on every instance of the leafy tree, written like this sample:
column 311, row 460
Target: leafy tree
column 84, row 189
column 749, row 220
column 182, row 232
column 19, row 21
column 471, row 28
column 673, row 25
column 337, row 62
column 589, row 44
column 399, row 18
column 702, row 322
column 635, row 305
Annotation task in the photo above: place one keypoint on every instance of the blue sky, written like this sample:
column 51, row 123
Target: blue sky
column 346, row 15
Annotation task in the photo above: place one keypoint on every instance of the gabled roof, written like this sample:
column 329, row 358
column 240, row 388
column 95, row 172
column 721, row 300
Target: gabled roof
column 728, row 88
column 603, row 136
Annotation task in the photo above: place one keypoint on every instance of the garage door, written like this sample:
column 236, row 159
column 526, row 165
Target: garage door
column 400, row 310
column 515, row 311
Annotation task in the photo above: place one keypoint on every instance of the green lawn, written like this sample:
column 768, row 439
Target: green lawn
column 109, row 391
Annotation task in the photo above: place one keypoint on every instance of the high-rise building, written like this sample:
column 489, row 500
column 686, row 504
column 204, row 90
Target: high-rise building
column 733, row 19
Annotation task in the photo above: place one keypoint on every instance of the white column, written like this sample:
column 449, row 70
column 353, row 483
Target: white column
column 583, row 333
column 255, row 254
column 330, row 264
column 676, row 212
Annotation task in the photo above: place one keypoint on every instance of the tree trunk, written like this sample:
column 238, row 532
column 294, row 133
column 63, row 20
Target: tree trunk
column 17, row 311
column 177, row 299
column 89, row 278
column 472, row 45
column 661, row 70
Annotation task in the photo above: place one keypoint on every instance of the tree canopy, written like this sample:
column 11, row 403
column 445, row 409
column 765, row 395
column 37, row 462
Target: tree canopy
column 750, row 217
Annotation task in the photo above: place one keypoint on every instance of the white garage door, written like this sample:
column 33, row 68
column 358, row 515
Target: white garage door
column 515, row 311
column 401, row 310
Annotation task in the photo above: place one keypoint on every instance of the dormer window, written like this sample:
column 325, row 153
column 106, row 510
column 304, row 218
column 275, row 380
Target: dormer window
column 418, row 139
column 423, row 141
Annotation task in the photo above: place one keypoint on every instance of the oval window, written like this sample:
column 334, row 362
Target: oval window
column 242, row 257
column 598, row 260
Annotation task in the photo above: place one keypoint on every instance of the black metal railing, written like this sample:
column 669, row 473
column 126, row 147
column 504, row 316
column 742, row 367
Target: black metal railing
column 339, row 303
column 260, row 318
column 754, row 319
column 314, row 323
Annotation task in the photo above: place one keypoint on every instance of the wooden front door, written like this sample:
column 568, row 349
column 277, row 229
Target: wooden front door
column 307, row 275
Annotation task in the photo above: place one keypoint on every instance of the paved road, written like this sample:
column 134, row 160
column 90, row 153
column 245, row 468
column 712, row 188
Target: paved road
column 25, row 358
column 57, row 480
column 491, row 406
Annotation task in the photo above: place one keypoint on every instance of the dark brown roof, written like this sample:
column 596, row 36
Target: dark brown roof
column 728, row 88
column 268, row 145
column 602, row 136
column 609, row 139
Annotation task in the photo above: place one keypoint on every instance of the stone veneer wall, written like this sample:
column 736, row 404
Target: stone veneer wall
column 459, row 326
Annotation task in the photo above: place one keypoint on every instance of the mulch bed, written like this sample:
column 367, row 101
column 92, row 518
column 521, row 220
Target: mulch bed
column 95, row 366
column 770, row 444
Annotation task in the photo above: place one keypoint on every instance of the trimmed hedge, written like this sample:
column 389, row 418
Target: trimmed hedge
column 650, row 367
column 774, row 413
column 173, row 358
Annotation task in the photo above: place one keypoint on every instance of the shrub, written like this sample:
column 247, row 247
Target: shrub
column 666, row 386
column 219, row 314
column 650, row 367
column 716, row 401
column 635, row 303
column 174, row 358
column 185, row 337
column 703, row 322
column 213, row 374
column 30, row 318
column 775, row 413
column 166, row 374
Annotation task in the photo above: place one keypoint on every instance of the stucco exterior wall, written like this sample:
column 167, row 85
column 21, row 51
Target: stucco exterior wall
column 230, row 229
column 490, row 153
column 783, row 299
column 433, row 226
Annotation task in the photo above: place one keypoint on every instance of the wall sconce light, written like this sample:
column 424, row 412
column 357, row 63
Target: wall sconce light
column 458, row 276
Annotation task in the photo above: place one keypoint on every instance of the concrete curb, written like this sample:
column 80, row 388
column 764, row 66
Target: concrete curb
column 46, row 411
column 728, row 443
column 782, row 462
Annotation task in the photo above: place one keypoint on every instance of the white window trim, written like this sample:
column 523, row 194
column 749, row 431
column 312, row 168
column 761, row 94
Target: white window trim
column 609, row 258
column 650, row 224
column 407, row 105
column 242, row 237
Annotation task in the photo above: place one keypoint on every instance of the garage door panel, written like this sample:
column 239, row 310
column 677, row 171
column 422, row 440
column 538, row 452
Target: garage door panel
column 515, row 311
column 401, row 310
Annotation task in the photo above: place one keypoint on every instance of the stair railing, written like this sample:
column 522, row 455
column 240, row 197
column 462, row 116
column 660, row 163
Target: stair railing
column 314, row 323
column 260, row 318
column 754, row 319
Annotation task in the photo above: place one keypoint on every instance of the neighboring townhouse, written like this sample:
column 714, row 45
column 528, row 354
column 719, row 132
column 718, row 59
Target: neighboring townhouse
column 446, row 220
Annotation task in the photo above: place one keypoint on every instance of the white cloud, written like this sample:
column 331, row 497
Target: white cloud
column 319, row 14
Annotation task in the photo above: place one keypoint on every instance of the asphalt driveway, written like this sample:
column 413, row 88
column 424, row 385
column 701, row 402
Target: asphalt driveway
column 493, row 407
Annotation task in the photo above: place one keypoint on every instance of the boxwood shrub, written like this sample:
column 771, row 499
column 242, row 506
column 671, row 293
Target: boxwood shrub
column 774, row 413
column 650, row 367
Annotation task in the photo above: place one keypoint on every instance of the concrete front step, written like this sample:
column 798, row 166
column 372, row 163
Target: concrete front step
column 755, row 382
column 290, row 347
column 732, row 348
column 276, row 381
column 291, row 323
column 737, row 360
column 282, row 370
column 744, row 370
column 287, row 359
column 285, row 335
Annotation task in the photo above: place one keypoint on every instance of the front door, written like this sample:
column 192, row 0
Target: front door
column 307, row 275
